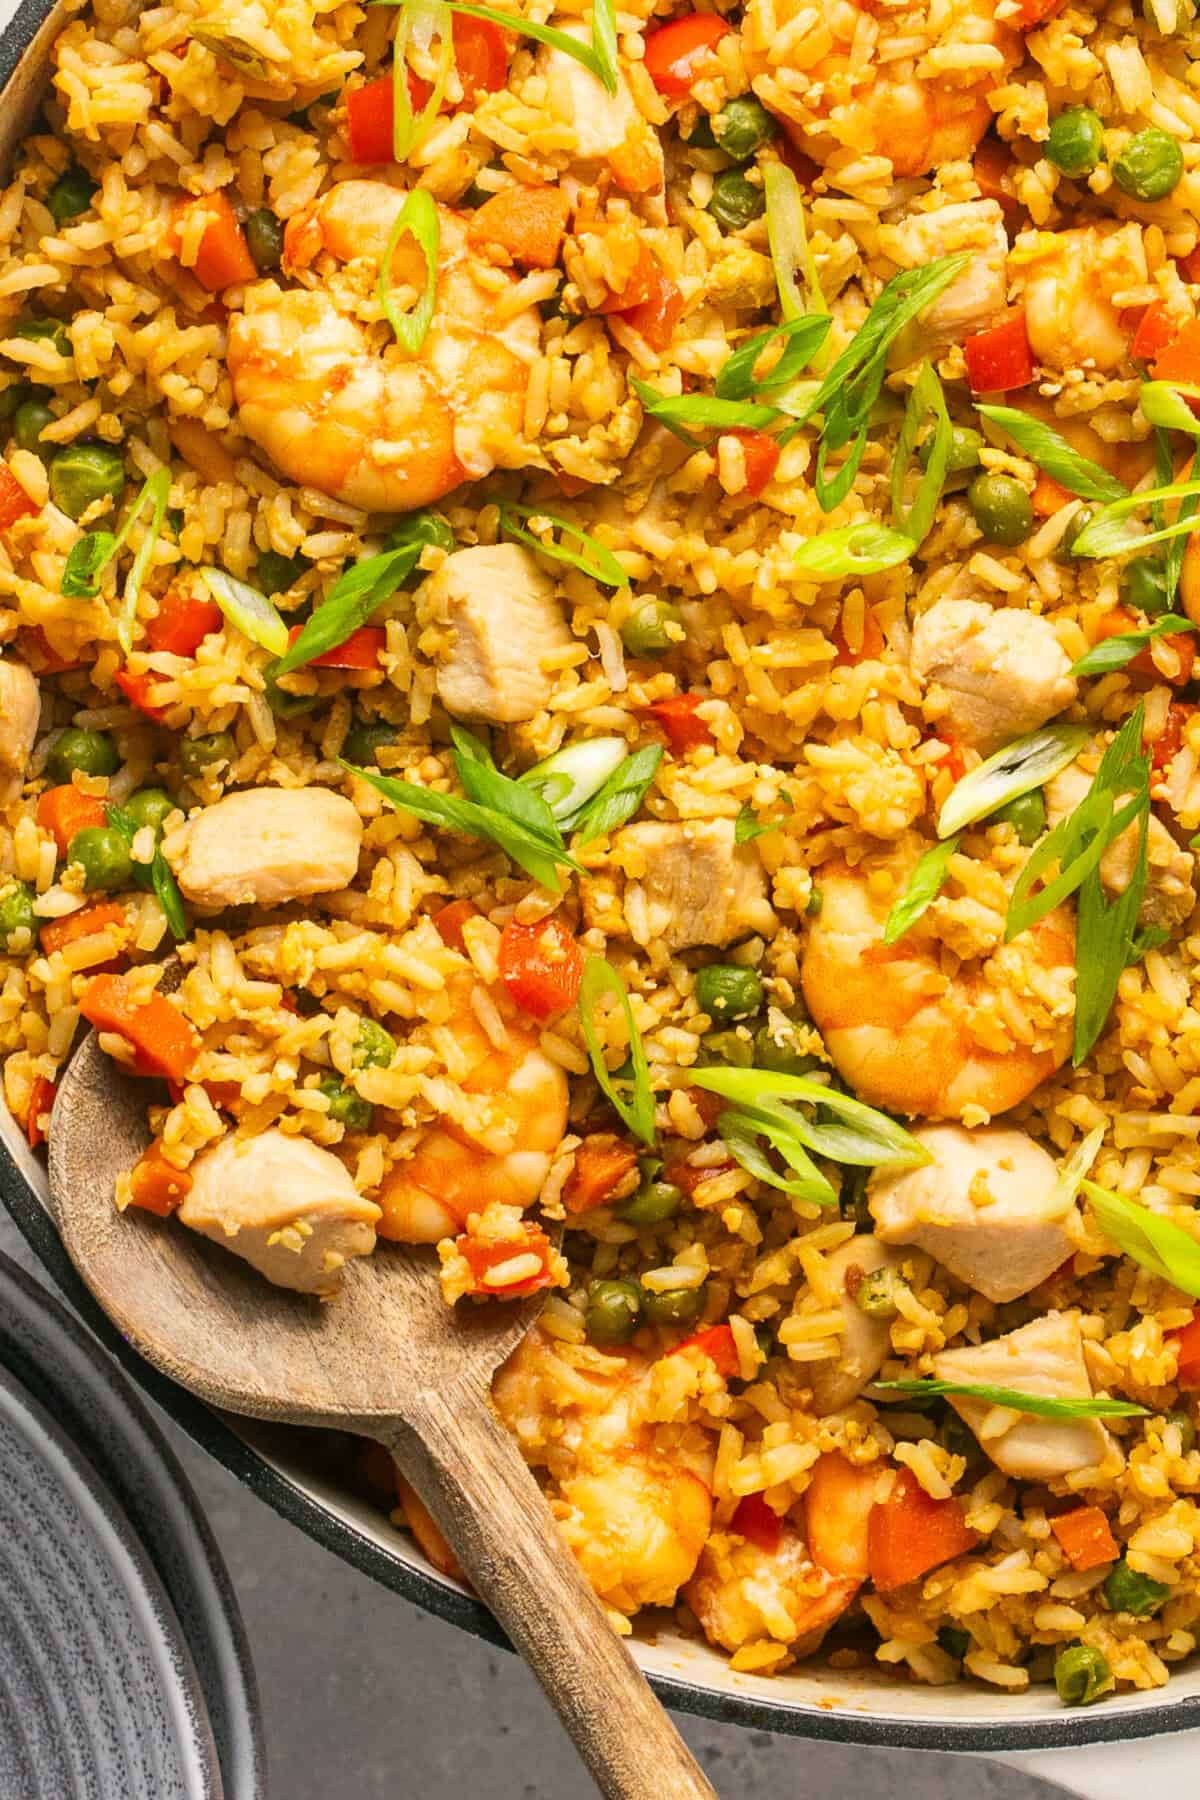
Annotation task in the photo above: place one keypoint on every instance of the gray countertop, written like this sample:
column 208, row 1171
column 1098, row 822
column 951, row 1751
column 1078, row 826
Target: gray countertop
column 367, row 1698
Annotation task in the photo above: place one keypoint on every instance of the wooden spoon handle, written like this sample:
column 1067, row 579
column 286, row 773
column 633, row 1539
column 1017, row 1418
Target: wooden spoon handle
column 469, row 1472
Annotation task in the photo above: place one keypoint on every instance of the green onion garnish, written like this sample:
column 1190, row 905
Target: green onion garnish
column 92, row 553
column 620, row 796
column 572, row 776
column 597, row 562
column 1028, row 763
column 1164, row 405
column 1167, row 1250
column 788, row 238
column 924, row 887
column 351, row 601
column 855, row 1134
column 710, row 411
column 599, row 56
column 247, row 610
column 420, row 22
column 741, row 1132
column 1115, row 652
column 636, row 1109
column 418, row 217
column 1105, row 535
column 863, row 548
column 925, row 401
column 801, row 339
column 1042, row 1406
column 157, row 873
column 1051, row 452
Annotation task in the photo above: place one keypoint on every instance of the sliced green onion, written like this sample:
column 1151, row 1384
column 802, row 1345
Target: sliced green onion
column 859, row 1134
column 604, row 42
column 1041, row 1406
column 418, row 217
column 740, row 1133
column 1115, row 652
column 1167, row 1250
column 568, row 779
column 1104, row 536
column 159, row 874
column 863, row 548
column 92, row 553
column 802, row 338
column 597, row 56
column 620, row 796
column 1051, row 452
column 247, row 610
column 1177, row 549
column 1028, row 763
column 597, row 562
column 748, row 826
column 1070, row 1176
column 1164, row 405
column 635, row 1109
column 788, row 237
column 1107, row 938
column 925, row 400
column 420, row 22
column 351, row 601
column 488, row 786
column 678, row 411
column 236, row 52
column 924, row 887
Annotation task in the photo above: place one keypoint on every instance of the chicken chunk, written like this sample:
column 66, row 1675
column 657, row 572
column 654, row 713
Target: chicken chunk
column 285, row 1205
column 20, row 706
column 501, row 619
column 974, row 298
column 692, row 884
column 604, row 127
column 865, row 1342
column 979, row 1208
column 265, row 846
column 1044, row 1357
column 1170, row 892
column 991, row 675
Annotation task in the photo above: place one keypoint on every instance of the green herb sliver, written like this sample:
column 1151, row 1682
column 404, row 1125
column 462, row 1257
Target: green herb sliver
column 1148, row 1240
column 420, row 22
column 574, row 775
column 351, row 601
column 1117, row 651
column 1042, row 1406
column 599, row 57
column 741, row 1131
column 1105, row 534
column 787, row 235
column 635, row 1109
column 91, row 554
column 856, row 1133
column 923, row 888
column 1025, row 764
column 158, row 872
column 418, row 217
column 620, row 796
column 863, row 548
column 712, row 412
column 596, row 561
column 801, row 339
column 1052, row 453
column 925, row 401
column 247, row 610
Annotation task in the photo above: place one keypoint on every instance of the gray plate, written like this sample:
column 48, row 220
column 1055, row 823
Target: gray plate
column 61, row 1366
column 99, row 1696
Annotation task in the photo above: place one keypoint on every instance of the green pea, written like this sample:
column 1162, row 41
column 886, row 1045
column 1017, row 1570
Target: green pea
column 150, row 806
column 70, row 195
column 1077, row 524
column 645, row 632
column 283, row 703
column 1150, row 165
column 16, row 913
column 1128, row 1592
column 424, row 527
column 276, row 573
column 654, row 1203
column 197, row 755
column 736, row 202
column 702, row 134
column 347, row 1107
column 613, row 1310
column 678, row 1306
column 724, row 991
column 32, row 418
column 954, row 1641
column 743, row 126
column 38, row 331
column 364, row 742
column 965, row 446
column 264, row 239
column 374, row 1047
column 81, row 474
column 1001, row 509
column 780, row 1056
column 1076, row 141
column 816, row 901
column 876, row 1294
column 1081, row 1674
column 1144, row 586
column 728, row 1047
column 12, row 397
column 91, row 752
column 1026, row 814
column 104, row 857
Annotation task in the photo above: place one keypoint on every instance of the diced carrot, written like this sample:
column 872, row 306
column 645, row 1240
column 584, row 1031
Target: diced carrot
column 1187, row 1341
column 480, row 56
column 993, row 167
column 183, row 622
column 1180, row 359
column 425, row 1528
column 41, row 1100
column 758, row 1523
column 223, row 256
column 603, row 1167
column 655, row 316
column 541, row 965
column 640, row 287
column 760, row 455
column 676, row 717
column 1048, row 495
column 156, row 1185
column 1156, row 328
column 910, row 1533
column 688, row 1176
column 361, row 650
column 999, row 359
column 14, row 501
column 137, row 689
column 164, row 1042
column 56, row 934
column 717, row 1343
column 450, row 920
column 872, row 641
column 1086, row 1538
column 1170, row 737
column 1184, row 646
column 676, row 52
column 839, row 1502
column 527, row 223
column 484, row 1258
column 1036, row 12
column 65, row 810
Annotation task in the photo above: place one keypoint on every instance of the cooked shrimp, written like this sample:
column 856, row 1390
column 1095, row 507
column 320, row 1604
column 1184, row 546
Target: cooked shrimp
column 910, row 82
column 915, row 1030
column 497, row 1153
column 1072, row 288
column 377, row 429
column 636, row 1520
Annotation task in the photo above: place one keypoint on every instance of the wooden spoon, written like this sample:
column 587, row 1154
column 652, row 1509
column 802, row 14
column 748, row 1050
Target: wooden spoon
column 387, row 1359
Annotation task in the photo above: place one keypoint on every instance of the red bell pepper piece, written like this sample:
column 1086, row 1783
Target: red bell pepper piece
column 676, row 52
column 1180, row 359
column 136, row 689
column 483, row 1258
column 1187, row 1339
column 541, row 966
column 676, row 718
column 754, row 1520
column 999, row 359
column 480, row 56
column 655, row 317
column 369, row 113
column 41, row 1100
column 602, row 1164
column 1155, row 329
column 450, row 920
column 182, row 623
column 760, row 453
column 361, row 650
column 870, row 648
column 1170, row 737
column 14, row 501
column 718, row 1345
column 909, row 1534
column 993, row 167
